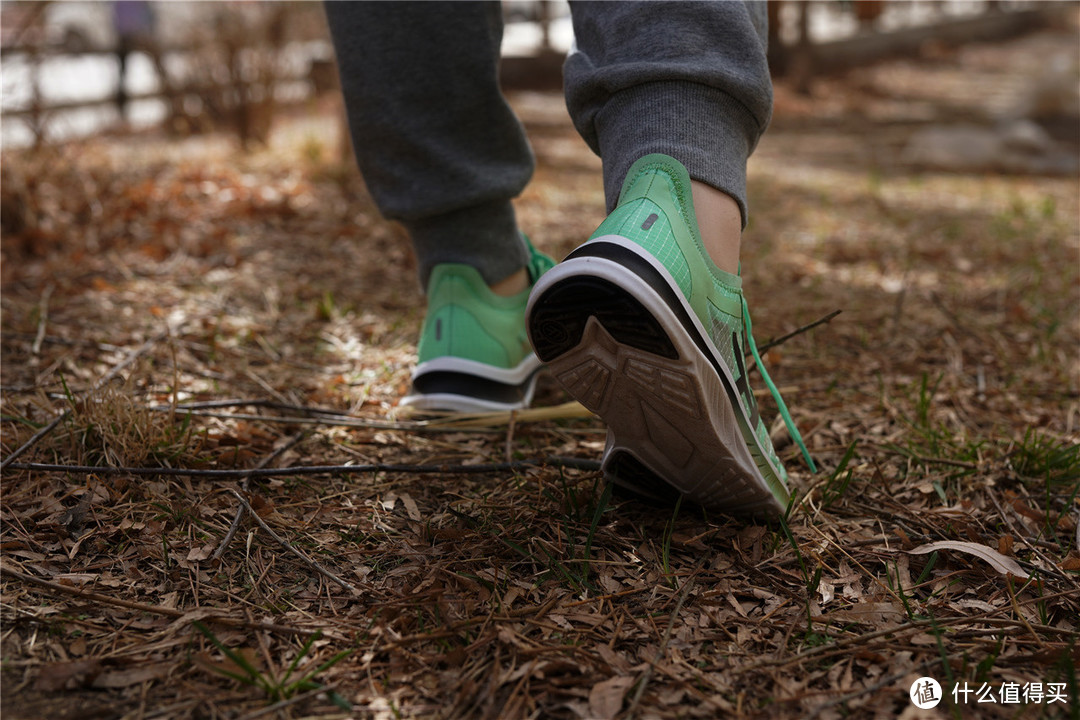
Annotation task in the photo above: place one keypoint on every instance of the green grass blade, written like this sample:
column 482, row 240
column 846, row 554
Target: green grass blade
column 254, row 676
column 300, row 656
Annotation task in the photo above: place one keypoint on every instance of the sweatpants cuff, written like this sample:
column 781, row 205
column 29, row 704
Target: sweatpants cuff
column 705, row 129
column 484, row 236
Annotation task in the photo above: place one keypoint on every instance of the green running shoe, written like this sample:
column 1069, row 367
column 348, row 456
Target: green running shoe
column 643, row 329
column 474, row 354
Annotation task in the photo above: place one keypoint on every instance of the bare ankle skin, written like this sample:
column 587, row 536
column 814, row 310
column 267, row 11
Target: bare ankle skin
column 513, row 284
column 720, row 223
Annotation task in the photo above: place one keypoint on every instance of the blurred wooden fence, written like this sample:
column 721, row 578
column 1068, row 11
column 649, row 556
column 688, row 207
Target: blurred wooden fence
column 224, row 91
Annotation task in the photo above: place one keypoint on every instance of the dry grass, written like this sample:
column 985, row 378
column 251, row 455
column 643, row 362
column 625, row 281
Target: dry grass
column 942, row 405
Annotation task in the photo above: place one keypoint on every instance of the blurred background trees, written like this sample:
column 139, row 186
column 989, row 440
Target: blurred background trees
column 77, row 68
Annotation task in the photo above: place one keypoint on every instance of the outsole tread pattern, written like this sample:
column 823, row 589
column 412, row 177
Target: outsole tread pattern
column 671, row 425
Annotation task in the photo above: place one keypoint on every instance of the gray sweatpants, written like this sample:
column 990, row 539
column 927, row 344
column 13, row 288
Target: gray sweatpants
column 441, row 151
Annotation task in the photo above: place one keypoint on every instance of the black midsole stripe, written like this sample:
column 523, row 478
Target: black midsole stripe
column 652, row 277
column 457, row 383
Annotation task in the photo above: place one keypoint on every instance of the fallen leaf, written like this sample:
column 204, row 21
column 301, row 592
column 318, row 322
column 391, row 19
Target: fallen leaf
column 1022, row 509
column 1002, row 563
column 67, row 675
column 606, row 696
column 200, row 553
column 973, row 604
column 132, row 676
column 388, row 501
column 614, row 660
column 827, row 590
column 76, row 579
column 410, row 507
column 879, row 614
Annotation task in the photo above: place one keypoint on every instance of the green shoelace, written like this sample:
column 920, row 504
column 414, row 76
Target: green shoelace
column 794, row 431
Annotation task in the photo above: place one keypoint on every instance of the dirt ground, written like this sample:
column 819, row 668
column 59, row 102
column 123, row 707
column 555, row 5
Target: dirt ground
column 188, row 309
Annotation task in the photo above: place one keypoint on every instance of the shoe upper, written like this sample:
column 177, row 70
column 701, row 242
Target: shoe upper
column 655, row 210
column 466, row 320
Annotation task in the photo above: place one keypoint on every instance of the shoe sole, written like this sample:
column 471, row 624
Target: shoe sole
column 616, row 331
column 450, row 384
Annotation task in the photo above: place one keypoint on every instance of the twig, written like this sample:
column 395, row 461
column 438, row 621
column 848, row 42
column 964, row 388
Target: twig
column 116, row 370
column 554, row 461
column 315, row 420
column 904, row 452
column 458, row 422
column 43, row 320
column 647, row 674
column 67, row 342
column 278, row 452
column 510, row 436
column 910, row 626
column 152, row 609
column 265, row 386
column 179, row 708
column 285, row 544
column 1020, row 615
column 784, row 338
column 1047, row 562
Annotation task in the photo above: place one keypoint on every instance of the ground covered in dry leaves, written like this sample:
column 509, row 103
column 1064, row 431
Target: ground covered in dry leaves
column 183, row 305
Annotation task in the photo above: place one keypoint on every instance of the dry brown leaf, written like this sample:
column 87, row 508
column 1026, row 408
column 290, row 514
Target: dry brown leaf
column 613, row 659
column 1002, row 563
column 410, row 506
column 879, row 614
column 827, row 590
column 200, row 553
column 606, row 696
column 136, row 675
column 67, row 675
column 1022, row 509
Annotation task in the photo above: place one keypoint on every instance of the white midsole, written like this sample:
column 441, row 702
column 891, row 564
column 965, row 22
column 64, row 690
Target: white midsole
column 452, row 402
column 507, row 376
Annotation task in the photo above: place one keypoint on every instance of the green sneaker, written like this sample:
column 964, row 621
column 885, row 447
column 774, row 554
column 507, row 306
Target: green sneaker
column 474, row 354
column 642, row 327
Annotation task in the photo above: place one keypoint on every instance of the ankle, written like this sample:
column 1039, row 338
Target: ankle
column 720, row 224
column 512, row 284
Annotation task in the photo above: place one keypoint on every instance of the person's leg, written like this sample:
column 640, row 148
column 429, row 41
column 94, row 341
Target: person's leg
column 442, row 152
column 689, row 80
column 436, row 142
column 646, row 323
